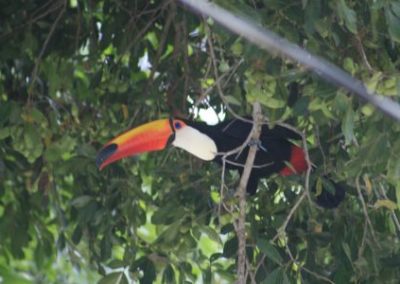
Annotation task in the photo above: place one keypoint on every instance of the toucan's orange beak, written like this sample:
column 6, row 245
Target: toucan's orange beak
column 148, row 137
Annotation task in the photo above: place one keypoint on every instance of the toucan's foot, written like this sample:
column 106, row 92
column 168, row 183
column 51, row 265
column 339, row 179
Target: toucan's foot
column 259, row 145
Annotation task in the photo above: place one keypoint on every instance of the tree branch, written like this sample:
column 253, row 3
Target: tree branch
column 273, row 43
column 44, row 47
column 282, row 228
column 241, row 192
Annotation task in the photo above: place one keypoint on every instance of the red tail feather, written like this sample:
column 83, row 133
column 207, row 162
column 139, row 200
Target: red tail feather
column 298, row 163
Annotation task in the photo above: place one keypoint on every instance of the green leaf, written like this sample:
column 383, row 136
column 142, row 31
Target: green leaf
column 368, row 109
column 232, row 100
column 327, row 185
column 230, row 248
column 347, row 15
column 61, row 149
column 227, row 229
column 349, row 65
column 5, row 132
column 398, row 194
column 39, row 117
column 114, row 278
column 211, row 233
column 77, row 235
column 152, row 38
column 347, row 251
column 393, row 22
column 169, row 275
column 237, row 48
column 215, row 256
column 81, row 201
column 389, row 204
column 8, row 276
column 270, row 251
column 312, row 13
column 318, row 186
column 147, row 267
column 105, row 248
column 223, row 67
column 115, row 264
column 28, row 142
column 277, row 276
column 395, row 6
column 272, row 102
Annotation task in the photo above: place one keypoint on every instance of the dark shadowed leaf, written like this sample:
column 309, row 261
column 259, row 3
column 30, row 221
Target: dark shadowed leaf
column 277, row 276
column 270, row 251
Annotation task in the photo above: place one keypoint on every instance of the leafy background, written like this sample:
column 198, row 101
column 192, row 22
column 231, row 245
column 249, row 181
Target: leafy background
column 75, row 73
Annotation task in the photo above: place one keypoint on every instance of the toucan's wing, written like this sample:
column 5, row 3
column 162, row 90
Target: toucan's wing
column 275, row 146
column 240, row 129
column 279, row 132
column 235, row 129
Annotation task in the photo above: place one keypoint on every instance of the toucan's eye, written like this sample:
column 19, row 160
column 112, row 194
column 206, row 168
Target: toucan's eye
column 177, row 125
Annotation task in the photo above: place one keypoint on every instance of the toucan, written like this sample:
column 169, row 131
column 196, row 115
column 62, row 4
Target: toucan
column 276, row 152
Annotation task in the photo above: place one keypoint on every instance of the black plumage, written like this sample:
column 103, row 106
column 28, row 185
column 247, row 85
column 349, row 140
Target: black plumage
column 274, row 150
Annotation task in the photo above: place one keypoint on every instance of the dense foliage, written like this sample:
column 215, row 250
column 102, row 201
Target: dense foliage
column 75, row 73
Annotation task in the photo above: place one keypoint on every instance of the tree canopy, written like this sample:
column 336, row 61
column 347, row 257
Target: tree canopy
column 74, row 74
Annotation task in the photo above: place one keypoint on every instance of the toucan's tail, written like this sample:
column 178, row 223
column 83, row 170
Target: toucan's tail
column 328, row 194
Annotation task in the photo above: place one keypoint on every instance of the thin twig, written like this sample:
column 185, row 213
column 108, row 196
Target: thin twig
column 243, row 165
column 261, row 262
column 316, row 275
column 250, row 273
column 360, row 48
column 221, row 190
column 39, row 58
column 363, row 241
column 282, row 228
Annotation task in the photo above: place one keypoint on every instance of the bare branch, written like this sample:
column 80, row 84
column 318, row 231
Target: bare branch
column 241, row 192
column 364, row 238
column 250, row 273
column 360, row 49
column 46, row 42
column 273, row 43
column 282, row 228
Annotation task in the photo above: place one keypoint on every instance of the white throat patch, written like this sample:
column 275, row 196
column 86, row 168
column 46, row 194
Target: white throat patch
column 195, row 142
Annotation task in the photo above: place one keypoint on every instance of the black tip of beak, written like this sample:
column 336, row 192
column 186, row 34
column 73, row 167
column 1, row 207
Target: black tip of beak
column 105, row 153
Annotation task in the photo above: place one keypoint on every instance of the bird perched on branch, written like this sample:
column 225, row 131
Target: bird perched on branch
column 276, row 151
